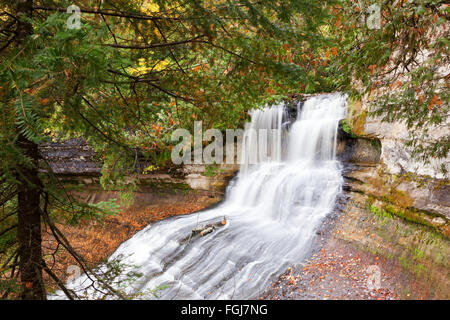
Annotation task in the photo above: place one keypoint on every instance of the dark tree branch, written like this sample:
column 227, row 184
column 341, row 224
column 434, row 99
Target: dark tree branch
column 229, row 51
column 66, row 244
column 8, row 215
column 8, row 229
column 156, row 45
column 171, row 52
column 112, row 13
column 69, row 293
column 11, row 257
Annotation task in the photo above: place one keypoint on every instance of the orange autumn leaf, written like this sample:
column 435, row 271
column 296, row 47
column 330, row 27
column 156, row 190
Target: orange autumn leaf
column 334, row 51
column 338, row 20
column 270, row 91
column 193, row 116
column 44, row 101
column 395, row 85
column 372, row 67
column 197, row 68
column 435, row 101
column 327, row 54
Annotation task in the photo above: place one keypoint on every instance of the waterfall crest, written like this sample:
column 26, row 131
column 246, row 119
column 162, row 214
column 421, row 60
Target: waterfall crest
column 272, row 207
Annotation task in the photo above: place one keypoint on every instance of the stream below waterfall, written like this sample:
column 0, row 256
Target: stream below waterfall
column 272, row 209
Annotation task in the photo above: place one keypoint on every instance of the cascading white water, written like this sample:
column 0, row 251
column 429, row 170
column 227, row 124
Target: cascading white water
column 272, row 208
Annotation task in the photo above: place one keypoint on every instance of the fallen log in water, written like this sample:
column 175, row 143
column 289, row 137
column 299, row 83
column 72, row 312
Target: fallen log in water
column 204, row 230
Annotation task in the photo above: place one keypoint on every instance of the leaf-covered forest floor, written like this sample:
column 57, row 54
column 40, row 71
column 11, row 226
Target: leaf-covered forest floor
column 336, row 272
column 96, row 241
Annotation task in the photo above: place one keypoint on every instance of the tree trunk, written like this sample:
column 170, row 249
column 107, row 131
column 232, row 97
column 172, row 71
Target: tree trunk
column 29, row 227
column 29, row 215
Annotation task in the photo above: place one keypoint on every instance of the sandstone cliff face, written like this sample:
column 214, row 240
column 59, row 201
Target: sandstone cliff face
column 396, row 156
column 395, row 206
column 393, row 136
column 426, row 185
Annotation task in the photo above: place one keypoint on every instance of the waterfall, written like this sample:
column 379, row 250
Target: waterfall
column 273, row 208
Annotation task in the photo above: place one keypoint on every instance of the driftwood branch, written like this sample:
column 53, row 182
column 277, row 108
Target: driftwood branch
column 204, row 230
